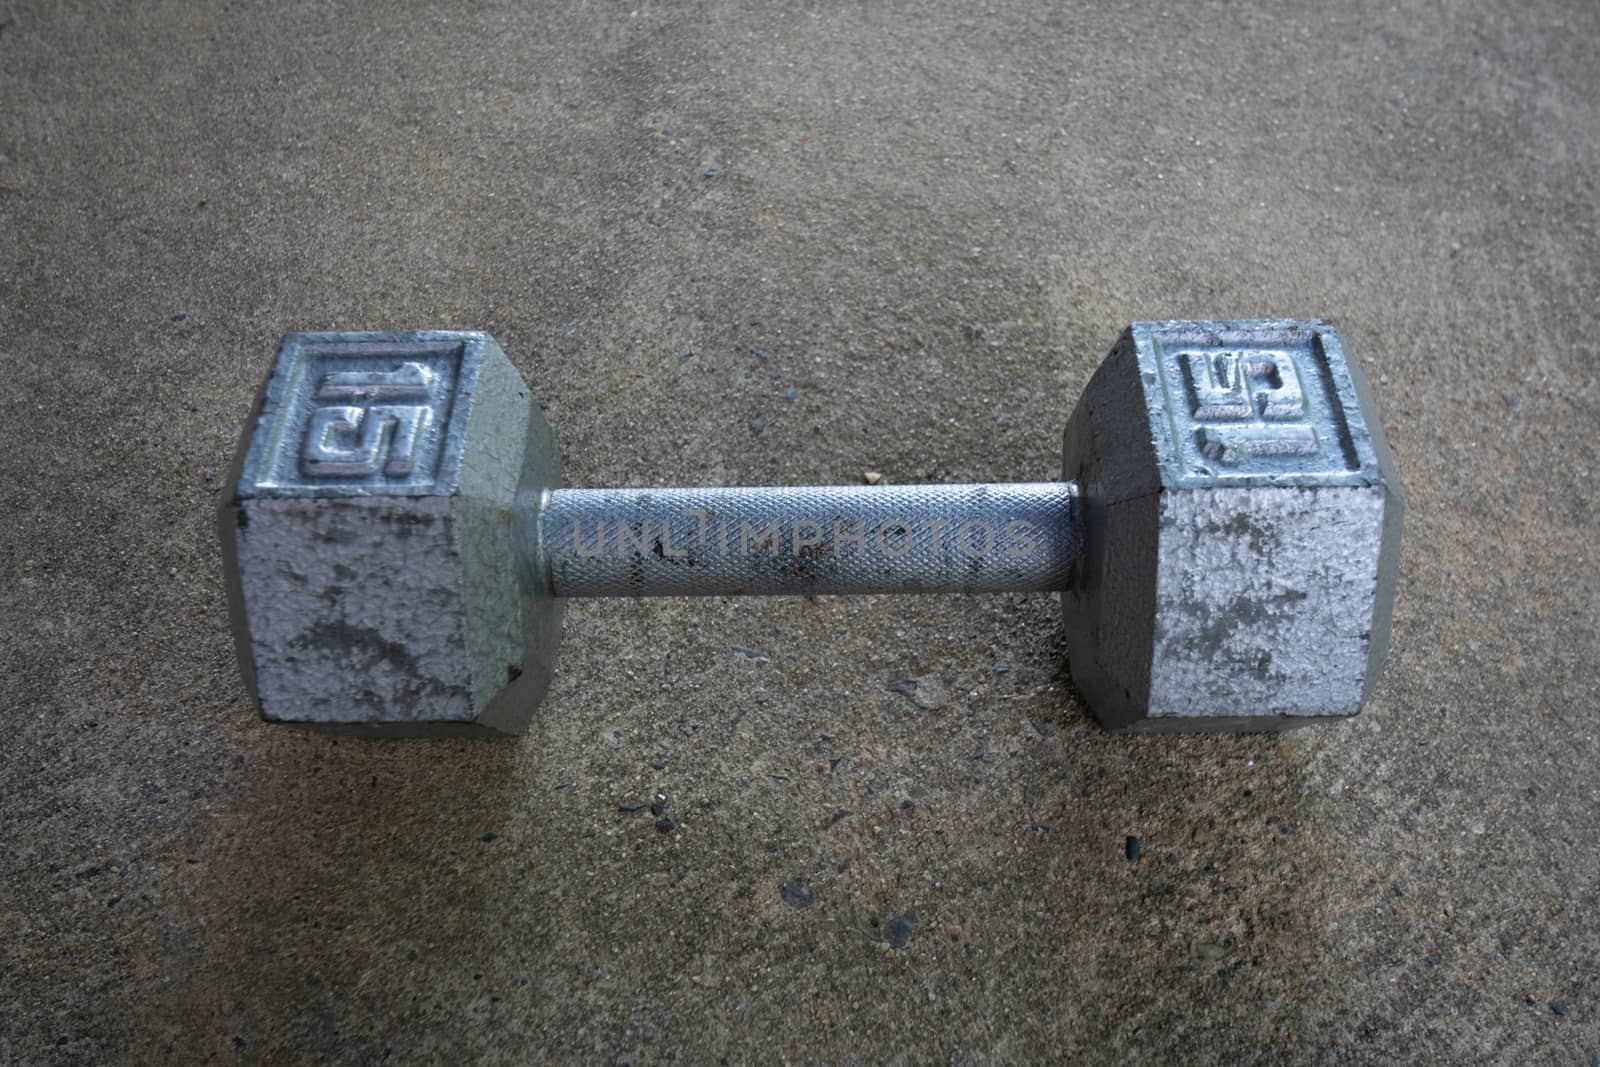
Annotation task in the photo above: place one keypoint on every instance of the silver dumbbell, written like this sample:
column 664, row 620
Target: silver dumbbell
column 398, row 546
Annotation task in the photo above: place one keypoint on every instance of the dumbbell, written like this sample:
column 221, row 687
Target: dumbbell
column 398, row 546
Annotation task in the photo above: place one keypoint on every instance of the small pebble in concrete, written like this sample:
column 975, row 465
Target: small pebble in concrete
column 926, row 692
column 898, row 930
column 1133, row 849
column 930, row 693
column 795, row 894
column 665, row 824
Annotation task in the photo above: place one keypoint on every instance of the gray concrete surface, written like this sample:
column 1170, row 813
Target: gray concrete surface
column 735, row 243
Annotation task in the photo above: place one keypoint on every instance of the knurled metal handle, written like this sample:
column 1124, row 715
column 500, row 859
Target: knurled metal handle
column 1020, row 537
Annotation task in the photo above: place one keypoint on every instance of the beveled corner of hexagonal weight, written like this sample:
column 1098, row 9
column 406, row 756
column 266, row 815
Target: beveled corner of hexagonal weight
column 1242, row 522
column 378, row 537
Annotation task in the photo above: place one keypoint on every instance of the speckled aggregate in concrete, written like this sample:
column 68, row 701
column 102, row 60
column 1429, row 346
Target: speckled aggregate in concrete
column 738, row 243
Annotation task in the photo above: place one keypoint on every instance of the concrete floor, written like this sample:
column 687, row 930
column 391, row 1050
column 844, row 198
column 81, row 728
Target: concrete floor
column 788, row 244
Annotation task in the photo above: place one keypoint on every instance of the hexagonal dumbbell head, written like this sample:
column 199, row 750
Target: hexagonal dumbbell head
column 375, row 536
column 1242, row 529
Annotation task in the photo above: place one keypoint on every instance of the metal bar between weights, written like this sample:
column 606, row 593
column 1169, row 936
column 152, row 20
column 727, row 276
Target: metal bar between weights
column 1019, row 537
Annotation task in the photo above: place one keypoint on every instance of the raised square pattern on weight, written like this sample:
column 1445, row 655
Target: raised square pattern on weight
column 1253, row 403
column 354, row 414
